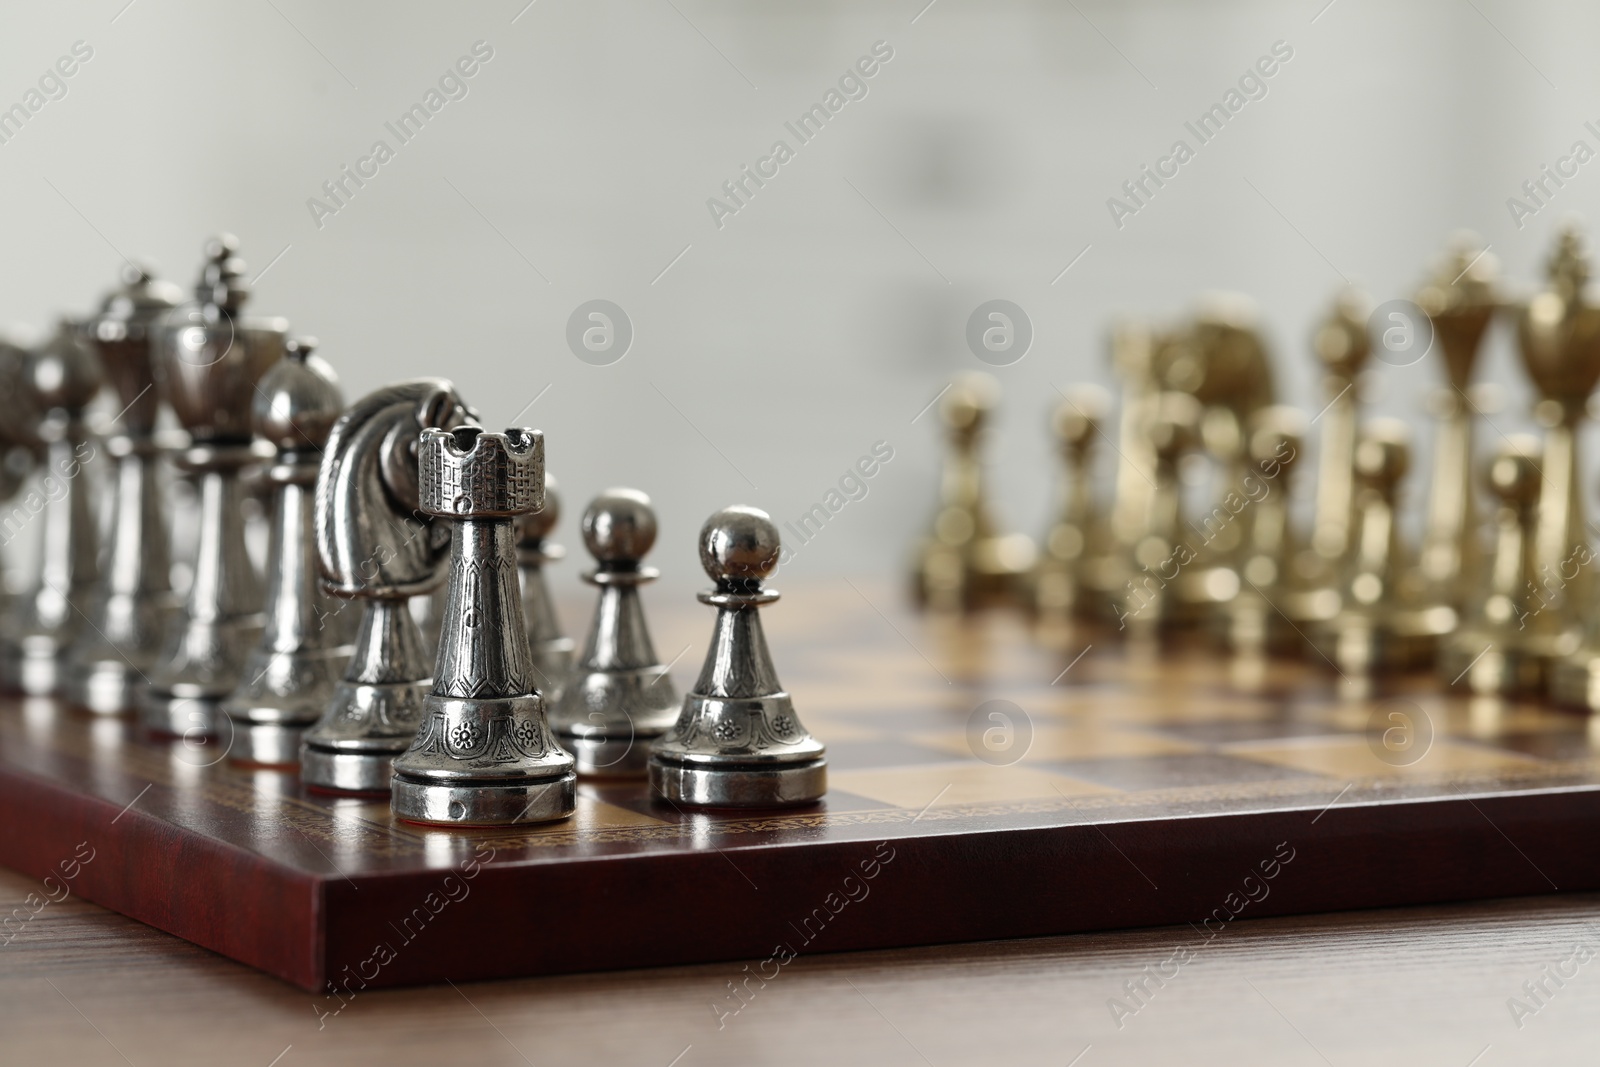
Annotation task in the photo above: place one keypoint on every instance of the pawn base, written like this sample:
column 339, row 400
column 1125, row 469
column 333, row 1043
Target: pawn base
column 739, row 786
column 1477, row 663
column 167, row 714
column 328, row 770
column 484, row 803
column 33, row 666
column 267, row 744
column 610, row 757
column 1574, row 682
column 108, row 687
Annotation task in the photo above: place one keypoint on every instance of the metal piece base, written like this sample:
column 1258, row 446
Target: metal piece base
column 170, row 715
column 484, row 803
column 1574, row 682
column 32, row 666
column 270, row 744
column 1404, row 639
column 109, row 687
column 330, row 771
column 614, row 757
column 618, row 701
column 1493, row 669
column 768, row 786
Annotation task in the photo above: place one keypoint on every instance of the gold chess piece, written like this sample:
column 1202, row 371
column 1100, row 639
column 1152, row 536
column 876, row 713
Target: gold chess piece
column 1062, row 585
column 1379, row 626
column 1342, row 347
column 1266, row 615
column 1460, row 302
column 1157, row 558
column 1224, row 366
column 1136, row 349
column 1558, row 333
column 1133, row 357
column 1500, row 651
column 965, row 562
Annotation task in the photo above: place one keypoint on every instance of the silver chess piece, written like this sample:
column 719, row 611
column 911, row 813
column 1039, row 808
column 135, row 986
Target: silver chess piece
column 374, row 546
column 738, row 742
column 19, row 448
column 428, row 610
column 208, row 360
column 291, row 674
column 550, row 647
column 134, row 601
column 619, row 698
column 62, row 378
column 484, row 754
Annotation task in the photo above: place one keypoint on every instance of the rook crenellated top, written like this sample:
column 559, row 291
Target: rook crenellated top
column 473, row 474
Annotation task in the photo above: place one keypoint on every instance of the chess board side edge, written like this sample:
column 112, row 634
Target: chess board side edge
column 223, row 898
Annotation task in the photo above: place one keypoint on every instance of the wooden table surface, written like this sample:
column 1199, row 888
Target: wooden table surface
column 1421, row 986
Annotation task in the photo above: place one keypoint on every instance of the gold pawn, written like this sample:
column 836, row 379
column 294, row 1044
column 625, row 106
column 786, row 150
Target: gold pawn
column 1498, row 651
column 1379, row 627
column 1078, row 536
column 1342, row 346
column 964, row 563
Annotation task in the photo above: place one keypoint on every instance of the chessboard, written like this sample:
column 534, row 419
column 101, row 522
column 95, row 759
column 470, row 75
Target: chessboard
column 987, row 779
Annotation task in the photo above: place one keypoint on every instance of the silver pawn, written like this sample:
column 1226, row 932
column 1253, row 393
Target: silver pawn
column 134, row 601
column 375, row 547
column 290, row 676
column 738, row 742
column 62, row 378
column 550, row 647
column 209, row 358
column 484, row 754
column 620, row 698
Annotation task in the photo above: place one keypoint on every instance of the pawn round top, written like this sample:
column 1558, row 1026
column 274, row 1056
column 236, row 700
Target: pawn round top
column 1277, row 434
column 1079, row 415
column 619, row 527
column 536, row 525
column 966, row 407
column 1342, row 342
column 298, row 400
column 739, row 544
column 65, row 373
column 1513, row 473
column 1383, row 454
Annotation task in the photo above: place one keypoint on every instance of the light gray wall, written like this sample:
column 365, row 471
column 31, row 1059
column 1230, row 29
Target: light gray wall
column 826, row 313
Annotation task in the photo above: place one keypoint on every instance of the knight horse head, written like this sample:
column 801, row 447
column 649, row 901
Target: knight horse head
column 372, row 538
column 374, row 544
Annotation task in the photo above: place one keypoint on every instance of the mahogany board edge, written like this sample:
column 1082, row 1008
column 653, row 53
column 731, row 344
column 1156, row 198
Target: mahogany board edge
column 743, row 902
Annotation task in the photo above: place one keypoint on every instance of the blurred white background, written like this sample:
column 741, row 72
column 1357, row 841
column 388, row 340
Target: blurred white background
column 828, row 312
